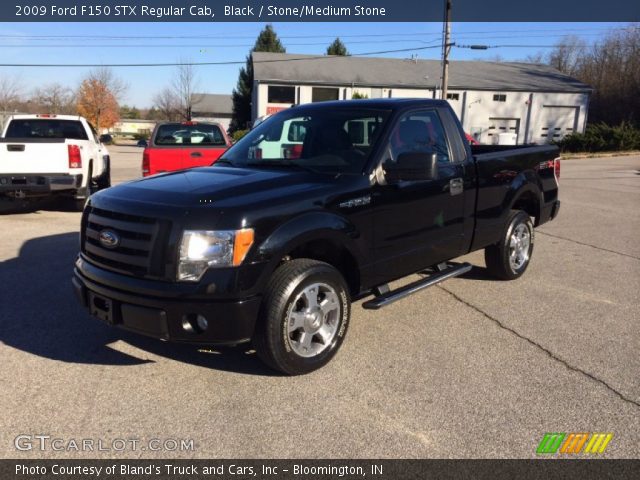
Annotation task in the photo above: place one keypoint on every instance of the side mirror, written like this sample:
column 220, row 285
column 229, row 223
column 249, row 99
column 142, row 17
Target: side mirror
column 412, row 166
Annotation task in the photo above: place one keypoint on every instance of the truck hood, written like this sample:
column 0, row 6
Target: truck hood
column 220, row 187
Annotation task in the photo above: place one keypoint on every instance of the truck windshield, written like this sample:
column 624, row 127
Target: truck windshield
column 46, row 128
column 336, row 140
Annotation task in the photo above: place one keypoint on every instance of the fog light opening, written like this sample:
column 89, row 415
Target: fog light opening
column 194, row 323
column 202, row 323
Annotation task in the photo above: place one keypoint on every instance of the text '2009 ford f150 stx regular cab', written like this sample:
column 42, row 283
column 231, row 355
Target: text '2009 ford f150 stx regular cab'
column 272, row 250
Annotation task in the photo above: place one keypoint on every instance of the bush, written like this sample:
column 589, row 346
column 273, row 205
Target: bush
column 602, row 138
column 238, row 134
column 358, row 96
column 140, row 136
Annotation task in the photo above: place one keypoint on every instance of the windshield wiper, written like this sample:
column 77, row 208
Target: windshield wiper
column 226, row 161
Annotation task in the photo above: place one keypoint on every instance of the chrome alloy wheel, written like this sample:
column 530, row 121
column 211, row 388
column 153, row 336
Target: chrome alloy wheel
column 313, row 319
column 519, row 244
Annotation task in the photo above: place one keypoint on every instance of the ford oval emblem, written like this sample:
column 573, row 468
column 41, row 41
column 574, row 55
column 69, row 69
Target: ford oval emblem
column 109, row 239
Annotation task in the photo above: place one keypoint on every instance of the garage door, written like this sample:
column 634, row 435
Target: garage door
column 502, row 125
column 556, row 122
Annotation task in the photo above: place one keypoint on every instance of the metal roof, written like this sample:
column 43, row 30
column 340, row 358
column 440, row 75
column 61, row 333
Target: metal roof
column 401, row 73
column 212, row 103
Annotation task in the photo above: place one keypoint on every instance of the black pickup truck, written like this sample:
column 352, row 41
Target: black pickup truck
column 318, row 205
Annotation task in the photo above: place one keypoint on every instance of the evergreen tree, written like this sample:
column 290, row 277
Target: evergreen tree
column 267, row 41
column 337, row 48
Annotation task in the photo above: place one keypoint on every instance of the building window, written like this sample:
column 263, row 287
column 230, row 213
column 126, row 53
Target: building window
column 280, row 94
column 499, row 97
column 453, row 96
column 321, row 94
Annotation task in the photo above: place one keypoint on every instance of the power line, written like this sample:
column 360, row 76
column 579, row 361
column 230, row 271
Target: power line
column 522, row 37
column 485, row 47
column 175, row 37
column 399, row 34
column 198, row 45
column 175, row 64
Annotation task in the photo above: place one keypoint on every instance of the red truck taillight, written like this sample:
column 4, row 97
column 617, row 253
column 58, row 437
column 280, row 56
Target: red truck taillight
column 556, row 168
column 145, row 163
column 75, row 159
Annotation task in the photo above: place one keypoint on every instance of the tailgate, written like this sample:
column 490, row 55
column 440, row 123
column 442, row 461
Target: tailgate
column 164, row 159
column 201, row 157
column 29, row 156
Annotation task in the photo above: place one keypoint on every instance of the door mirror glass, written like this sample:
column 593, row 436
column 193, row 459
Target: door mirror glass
column 412, row 166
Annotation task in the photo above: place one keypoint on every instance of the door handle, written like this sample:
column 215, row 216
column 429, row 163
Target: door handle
column 456, row 186
column 196, row 154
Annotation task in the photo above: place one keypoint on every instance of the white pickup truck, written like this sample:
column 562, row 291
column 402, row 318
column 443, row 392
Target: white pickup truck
column 45, row 155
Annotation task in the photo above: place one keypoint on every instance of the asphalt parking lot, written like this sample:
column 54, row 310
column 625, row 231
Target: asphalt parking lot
column 474, row 368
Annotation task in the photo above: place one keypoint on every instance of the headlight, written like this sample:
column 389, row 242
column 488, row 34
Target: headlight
column 202, row 249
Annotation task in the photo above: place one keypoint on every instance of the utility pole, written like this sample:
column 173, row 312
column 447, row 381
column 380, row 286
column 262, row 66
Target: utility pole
column 446, row 47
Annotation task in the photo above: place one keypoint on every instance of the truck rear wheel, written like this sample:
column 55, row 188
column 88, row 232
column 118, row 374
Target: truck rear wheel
column 104, row 180
column 509, row 258
column 79, row 200
column 305, row 314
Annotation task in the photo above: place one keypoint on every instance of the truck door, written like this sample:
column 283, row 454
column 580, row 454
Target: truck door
column 419, row 223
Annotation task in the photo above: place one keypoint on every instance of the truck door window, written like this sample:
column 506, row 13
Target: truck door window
column 419, row 132
column 95, row 134
column 296, row 131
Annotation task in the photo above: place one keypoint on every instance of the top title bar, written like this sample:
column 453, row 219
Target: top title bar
column 317, row 11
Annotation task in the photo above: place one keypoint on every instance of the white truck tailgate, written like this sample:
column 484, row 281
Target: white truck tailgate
column 25, row 156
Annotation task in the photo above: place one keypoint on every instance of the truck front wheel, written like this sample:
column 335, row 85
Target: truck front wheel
column 509, row 258
column 305, row 314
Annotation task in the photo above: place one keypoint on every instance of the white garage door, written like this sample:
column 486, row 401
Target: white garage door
column 499, row 125
column 556, row 122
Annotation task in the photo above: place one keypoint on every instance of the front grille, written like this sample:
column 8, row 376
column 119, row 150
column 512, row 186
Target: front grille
column 141, row 246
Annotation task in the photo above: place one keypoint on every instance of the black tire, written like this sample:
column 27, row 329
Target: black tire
column 104, row 180
column 498, row 257
column 77, row 204
column 275, row 344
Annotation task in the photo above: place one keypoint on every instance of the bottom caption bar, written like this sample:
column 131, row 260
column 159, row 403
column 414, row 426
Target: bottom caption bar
column 313, row 469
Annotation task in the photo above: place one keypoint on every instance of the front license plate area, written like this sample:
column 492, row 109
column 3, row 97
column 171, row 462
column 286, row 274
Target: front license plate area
column 101, row 308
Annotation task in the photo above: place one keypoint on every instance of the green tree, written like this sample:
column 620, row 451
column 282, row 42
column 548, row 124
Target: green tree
column 267, row 41
column 337, row 48
column 153, row 113
column 128, row 112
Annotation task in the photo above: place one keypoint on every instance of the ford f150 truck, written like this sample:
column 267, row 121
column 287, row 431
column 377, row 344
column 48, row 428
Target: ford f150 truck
column 44, row 155
column 272, row 250
column 176, row 146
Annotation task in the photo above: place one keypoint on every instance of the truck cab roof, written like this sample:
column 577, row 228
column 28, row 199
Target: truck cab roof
column 44, row 116
column 379, row 103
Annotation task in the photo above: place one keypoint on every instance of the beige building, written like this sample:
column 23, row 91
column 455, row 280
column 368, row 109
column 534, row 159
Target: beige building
column 212, row 107
column 535, row 102
column 133, row 127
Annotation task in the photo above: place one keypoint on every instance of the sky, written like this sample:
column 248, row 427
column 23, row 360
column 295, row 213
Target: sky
column 141, row 43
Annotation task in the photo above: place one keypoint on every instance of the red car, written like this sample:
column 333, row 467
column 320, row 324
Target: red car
column 471, row 140
column 176, row 146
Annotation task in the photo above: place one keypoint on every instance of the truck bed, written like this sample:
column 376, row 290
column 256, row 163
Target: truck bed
column 502, row 170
